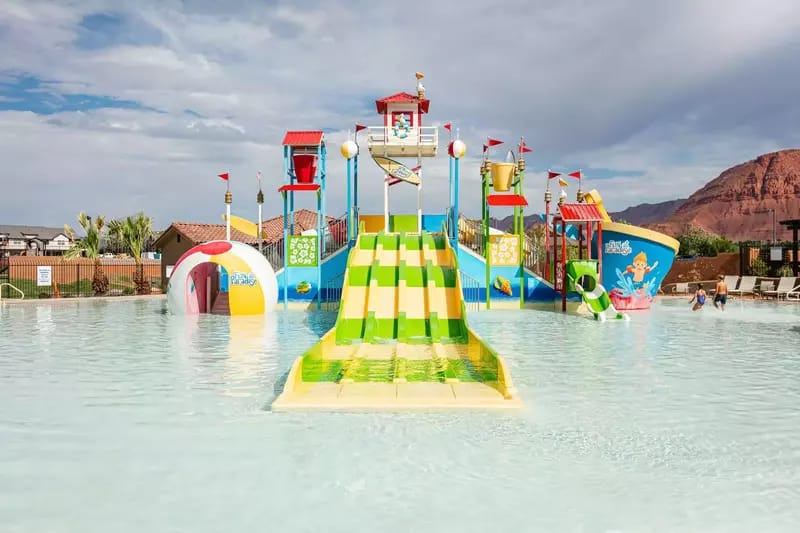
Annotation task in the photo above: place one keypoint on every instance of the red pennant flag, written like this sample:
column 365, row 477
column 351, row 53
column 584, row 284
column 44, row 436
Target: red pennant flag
column 359, row 127
column 494, row 142
column 223, row 176
column 524, row 148
column 416, row 168
column 447, row 126
column 485, row 148
column 551, row 174
column 576, row 174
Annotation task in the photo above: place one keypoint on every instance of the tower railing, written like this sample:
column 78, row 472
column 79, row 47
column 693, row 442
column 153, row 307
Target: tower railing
column 470, row 234
column 418, row 135
column 335, row 239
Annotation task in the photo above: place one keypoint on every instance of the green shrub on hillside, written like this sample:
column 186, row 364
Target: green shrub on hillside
column 696, row 241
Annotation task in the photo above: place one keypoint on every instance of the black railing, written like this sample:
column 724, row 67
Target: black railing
column 70, row 279
column 757, row 258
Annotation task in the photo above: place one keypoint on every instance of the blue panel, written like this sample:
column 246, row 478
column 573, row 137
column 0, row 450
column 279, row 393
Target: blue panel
column 223, row 279
column 433, row 223
column 633, row 268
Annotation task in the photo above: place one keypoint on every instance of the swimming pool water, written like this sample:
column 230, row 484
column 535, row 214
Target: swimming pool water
column 115, row 416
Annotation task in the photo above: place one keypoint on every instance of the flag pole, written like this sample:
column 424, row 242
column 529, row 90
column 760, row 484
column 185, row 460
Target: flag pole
column 228, row 200
column 260, row 200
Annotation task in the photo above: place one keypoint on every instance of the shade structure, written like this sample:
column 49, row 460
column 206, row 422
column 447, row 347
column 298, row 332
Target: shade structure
column 305, row 167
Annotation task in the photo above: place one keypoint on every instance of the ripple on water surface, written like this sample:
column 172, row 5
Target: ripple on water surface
column 117, row 414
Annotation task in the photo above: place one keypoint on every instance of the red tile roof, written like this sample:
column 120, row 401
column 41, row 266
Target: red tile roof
column 199, row 233
column 580, row 213
column 402, row 98
column 303, row 138
column 304, row 219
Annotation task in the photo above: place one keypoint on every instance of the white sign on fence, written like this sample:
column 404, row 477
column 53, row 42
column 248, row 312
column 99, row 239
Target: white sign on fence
column 44, row 276
column 776, row 253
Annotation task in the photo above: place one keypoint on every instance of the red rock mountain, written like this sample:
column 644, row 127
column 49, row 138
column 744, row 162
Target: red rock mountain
column 727, row 205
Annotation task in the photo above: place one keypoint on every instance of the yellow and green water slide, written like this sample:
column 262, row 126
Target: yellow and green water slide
column 401, row 339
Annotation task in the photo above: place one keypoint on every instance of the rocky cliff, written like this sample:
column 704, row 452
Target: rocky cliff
column 736, row 204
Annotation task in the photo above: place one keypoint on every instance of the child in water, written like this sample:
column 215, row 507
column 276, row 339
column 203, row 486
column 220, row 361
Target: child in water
column 699, row 298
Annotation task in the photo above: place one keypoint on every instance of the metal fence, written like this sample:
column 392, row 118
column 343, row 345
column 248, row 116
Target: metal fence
column 331, row 294
column 471, row 292
column 767, row 259
column 69, row 279
column 335, row 239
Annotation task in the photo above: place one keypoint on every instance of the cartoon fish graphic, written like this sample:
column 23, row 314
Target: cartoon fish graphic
column 303, row 287
column 503, row 285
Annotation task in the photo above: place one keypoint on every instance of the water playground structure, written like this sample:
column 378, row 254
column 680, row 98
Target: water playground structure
column 401, row 339
column 224, row 277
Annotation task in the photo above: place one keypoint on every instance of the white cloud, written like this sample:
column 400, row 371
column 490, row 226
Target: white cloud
column 677, row 91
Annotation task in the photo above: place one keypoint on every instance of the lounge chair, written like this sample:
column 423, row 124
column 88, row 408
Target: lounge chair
column 681, row 288
column 731, row 282
column 786, row 285
column 765, row 287
column 746, row 286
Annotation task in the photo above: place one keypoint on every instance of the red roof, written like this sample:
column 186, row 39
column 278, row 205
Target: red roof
column 506, row 200
column 580, row 213
column 272, row 228
column 302, row 138
column 299, row 187
column 403, row 98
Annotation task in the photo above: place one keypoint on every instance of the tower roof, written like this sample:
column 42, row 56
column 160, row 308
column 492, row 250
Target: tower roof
column 405, row 98
column 580, row 213
column 303, row 138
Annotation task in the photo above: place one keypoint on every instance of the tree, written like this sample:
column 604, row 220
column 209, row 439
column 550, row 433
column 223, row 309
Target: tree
column 89, row 246
column 696, row 241
column 134, row 232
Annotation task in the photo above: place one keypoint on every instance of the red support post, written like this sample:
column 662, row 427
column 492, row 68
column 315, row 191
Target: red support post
column 563, row 268
column 600, row 251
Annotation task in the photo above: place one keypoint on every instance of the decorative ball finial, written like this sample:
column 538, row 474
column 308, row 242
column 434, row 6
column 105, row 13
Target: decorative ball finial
column 349, row 149
column 457, row 149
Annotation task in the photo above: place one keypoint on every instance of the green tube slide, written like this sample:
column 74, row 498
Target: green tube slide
column 595, row 296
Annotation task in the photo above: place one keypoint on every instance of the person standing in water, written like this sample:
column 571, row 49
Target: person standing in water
column 721, row 293
column 699, row 298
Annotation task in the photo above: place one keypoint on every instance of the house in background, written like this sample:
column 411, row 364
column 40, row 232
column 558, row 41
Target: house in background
column 179, row 237
column 33, row 240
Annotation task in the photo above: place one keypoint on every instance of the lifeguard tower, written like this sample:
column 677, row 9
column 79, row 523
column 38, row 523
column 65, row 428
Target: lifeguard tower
column 303, row 172
column 402, row 135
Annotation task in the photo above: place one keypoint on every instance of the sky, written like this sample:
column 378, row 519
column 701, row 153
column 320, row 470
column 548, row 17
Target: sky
column 116, row 107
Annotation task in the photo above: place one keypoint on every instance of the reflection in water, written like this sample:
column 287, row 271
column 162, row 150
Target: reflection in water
column 647, row 425
column 249, row 341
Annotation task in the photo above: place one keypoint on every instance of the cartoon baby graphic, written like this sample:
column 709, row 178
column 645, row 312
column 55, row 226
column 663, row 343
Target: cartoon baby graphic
column 639, row 268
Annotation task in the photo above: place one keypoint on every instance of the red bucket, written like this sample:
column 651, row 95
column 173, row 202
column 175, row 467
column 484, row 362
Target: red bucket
column 305, row 167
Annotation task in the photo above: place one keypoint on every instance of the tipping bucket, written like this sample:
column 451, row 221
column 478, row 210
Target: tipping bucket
column 305, row 167
column 501, row 176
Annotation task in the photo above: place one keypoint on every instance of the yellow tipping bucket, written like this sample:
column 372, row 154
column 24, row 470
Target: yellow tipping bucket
column 502, row 173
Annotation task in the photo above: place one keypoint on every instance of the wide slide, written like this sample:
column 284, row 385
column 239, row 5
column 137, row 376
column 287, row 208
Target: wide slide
column 401, row 339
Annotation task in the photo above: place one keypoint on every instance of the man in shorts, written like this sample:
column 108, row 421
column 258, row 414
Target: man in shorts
column 721, row 293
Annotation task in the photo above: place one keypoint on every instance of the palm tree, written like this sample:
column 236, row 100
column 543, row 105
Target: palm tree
column 89, row 246
column 134, row 232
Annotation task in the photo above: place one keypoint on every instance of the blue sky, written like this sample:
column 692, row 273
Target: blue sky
column 114, row 107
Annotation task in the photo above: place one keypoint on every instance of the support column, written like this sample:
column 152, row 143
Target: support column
column 600, row 251
column 795, row 261
column 386, row 203
column 563, row 268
